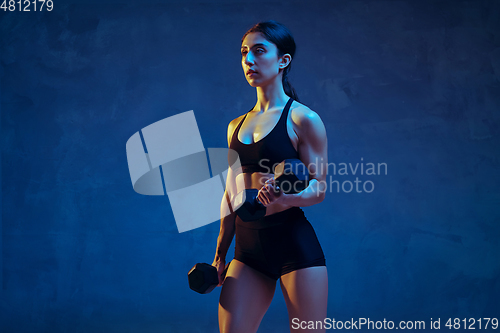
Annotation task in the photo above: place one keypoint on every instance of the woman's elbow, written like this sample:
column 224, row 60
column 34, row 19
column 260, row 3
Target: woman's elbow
column 321, row 196
column 321, row 190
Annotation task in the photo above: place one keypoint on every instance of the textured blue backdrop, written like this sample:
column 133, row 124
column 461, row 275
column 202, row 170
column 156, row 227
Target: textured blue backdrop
column 413, row 84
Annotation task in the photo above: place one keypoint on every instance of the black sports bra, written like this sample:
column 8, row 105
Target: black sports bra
column 265, row 154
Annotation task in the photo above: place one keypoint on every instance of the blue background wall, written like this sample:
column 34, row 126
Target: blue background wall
column 414, row 84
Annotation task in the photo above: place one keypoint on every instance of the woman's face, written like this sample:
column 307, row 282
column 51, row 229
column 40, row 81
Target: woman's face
column 259, row 59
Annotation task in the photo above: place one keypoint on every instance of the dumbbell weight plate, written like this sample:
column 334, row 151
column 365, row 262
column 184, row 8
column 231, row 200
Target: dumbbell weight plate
column 203, row 278
column 291, row 176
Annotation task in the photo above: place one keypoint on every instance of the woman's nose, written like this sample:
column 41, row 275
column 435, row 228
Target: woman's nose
column 249, row 58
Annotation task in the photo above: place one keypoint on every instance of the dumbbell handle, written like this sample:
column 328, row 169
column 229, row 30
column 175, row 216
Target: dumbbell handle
column 257, row 201
column 276, row 190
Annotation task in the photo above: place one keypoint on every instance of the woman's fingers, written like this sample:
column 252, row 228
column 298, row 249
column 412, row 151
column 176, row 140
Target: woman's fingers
column 220, row 270
column 267, row 194
column 219, row 273
column 262, row 197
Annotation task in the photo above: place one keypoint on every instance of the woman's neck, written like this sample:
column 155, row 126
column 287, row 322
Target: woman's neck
column 271, row 96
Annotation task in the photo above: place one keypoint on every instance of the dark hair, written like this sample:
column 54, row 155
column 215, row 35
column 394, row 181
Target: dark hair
column 280, row 36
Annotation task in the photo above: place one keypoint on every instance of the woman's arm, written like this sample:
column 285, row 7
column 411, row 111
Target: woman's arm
column 313, row 152
column 228, row 218
column 226, row 234
column 225, row 238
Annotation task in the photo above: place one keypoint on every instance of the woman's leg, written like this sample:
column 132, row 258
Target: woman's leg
column 245, row 297
column 306, row 296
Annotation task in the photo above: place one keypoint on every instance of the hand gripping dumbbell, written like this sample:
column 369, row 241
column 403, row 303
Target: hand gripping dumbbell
column 203, row 277
column 290, row 176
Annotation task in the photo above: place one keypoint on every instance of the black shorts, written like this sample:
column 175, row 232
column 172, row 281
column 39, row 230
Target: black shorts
column 278, row 244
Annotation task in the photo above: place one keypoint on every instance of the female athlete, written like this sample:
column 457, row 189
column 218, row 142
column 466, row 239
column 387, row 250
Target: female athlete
column 282, row 245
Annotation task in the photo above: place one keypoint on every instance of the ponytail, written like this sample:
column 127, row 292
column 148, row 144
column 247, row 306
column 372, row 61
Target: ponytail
column 289, row 90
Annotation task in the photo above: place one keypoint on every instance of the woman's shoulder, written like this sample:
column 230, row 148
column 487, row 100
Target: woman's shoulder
column 302, row 115
column 308, row 125
column 236, row 121
column 232, row 126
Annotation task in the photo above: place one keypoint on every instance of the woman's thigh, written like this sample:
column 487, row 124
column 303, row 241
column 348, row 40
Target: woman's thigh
column 245, row 297
column 306, row 295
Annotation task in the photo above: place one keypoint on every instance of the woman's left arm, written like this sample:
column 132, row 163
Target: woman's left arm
column 313, row 152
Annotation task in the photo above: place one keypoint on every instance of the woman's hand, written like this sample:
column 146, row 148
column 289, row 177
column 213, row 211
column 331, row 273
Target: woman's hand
column 220, row 265
column 270, row 193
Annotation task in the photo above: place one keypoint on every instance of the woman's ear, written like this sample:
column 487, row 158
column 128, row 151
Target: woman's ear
column 285, row 60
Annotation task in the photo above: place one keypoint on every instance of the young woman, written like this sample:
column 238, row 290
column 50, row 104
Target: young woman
column 283, row 244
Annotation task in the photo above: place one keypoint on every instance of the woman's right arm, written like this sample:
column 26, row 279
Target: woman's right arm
column 227, row 227
column 226, row 234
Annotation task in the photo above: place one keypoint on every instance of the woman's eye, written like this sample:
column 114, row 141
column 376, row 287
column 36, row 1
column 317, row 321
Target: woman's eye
column 259, row 50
